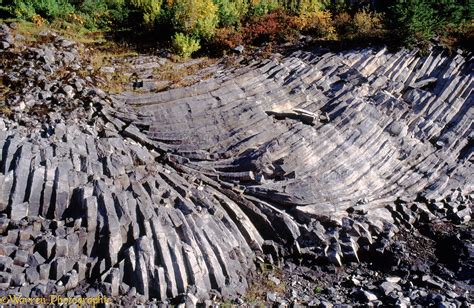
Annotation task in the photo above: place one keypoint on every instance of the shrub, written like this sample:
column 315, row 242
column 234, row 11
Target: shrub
column 311, row 6
column 340, row 6
column 227, row 38
column 119, row 11
column 318, row 23
column 262, row 7
column 417, row 21
column 275, row 26
column 298, row 7
column 48, row 9
column 261, row 29
column 367, row 23
column 197, row 18
column 38, row 20
column 452, row 13
column 149, row 9
column 231, row 11
column 458, row 36
column 88, row 13
column 102, row 14
column 92, row 13
column 223, row 40
column 184, row 46
column 22, row 10
column 343, row 24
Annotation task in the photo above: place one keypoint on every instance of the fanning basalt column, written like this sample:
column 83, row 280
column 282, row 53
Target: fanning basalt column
column 161, row 194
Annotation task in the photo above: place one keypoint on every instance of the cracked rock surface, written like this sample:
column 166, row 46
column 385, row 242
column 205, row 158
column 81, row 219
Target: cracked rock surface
column 172, row 196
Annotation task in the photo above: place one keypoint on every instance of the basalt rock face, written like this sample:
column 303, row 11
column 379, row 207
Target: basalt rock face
column 152, row 196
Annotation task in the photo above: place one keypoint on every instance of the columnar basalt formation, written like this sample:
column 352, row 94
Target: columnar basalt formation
column 317, row 154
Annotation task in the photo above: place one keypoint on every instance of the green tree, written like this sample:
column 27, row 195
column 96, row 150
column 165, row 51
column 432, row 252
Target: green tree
column 48, row 9
column 231, row 11
column 451, row 12
column 103, row 14
column 415, row 20
column 262, row 7
column 197, row 18
column 149, row 9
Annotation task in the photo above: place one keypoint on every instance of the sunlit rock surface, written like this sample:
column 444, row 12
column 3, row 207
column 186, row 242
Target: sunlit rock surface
column 313, row 154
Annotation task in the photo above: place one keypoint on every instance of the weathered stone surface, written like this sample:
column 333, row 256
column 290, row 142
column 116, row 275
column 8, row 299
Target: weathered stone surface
column 19, row 211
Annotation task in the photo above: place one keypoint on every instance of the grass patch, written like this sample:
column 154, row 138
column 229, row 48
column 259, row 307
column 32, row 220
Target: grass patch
column 177, row 72
column 318, row 290
column 5, row 111
column 111, row 55
column 116, row 83
column 3, row 93
column 96, row 49
column 107, row 54
column 31, row 31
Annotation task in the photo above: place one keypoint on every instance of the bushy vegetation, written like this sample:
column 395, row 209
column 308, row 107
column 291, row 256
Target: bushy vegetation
column 194, row 17
column 148, row 9
column 184, row 46
column 262, row 7
column 421, row 20
column 231, row 12
column 188, row 24
column 415, row 19
column 318, row 23
column 50, row 9
column 367, row 23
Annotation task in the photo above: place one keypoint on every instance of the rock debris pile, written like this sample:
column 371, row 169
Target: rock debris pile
column 172, row 196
